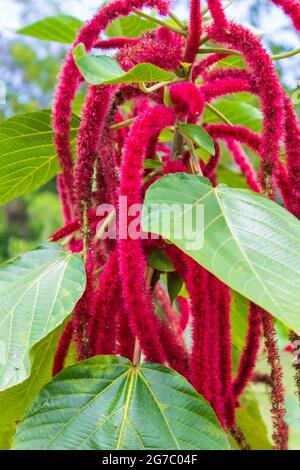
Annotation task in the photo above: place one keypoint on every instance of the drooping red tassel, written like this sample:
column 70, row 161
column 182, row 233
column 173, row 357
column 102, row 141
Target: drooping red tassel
column 185, row 312
column 195, row 30
column 187, row 99
column 249, row 354
column 217, row 13
column 138, row 300
column 244, row 163
column 292, row 9
column 64, row 200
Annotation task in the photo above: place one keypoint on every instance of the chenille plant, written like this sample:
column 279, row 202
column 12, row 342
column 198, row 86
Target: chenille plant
column 142, row 333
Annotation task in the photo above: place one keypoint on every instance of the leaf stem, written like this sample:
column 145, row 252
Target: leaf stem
column 177, row 20
column 173, row 28
column 285, row 55
column 218, row 113
column 122, row 124
column 219, row 50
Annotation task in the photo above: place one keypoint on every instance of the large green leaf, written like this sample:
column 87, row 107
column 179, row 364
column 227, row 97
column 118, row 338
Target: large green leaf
column 106, row 403
column 105, row 70
column 249, row 242
column 131, row 26
column 238, row 113
column 27, row 155
column 16, row 400
column 38, row 291
column 58, row 28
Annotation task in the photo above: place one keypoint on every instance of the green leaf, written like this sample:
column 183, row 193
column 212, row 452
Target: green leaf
column 174, row 284
column 251, row 423
column 39, row 290
column 238, row 113
column 27, row 154
column 231, row 178
column 150, row 164
column 159, row 261
column 131, row 26
column 105, row 403
column 16, row 400
column 198, row 136
column 103, row 69
column 249, row 242
column 58, row 28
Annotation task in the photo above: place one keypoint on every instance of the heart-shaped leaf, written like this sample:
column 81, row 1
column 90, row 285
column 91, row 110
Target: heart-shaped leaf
column 58, row 28
column 249, row 242
column 106, row 403
column 27, row 154
column 103, row 69
column 38, row 290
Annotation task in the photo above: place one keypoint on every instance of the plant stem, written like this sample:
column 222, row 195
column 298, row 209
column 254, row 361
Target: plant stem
column 285, row 55
column 173, row 28
column 204, row 40
column 159, row 85
column 177, row 20
column 218, row 113
column 219, row 50
column 122, row 124
column 195, row 159
column 177, row 143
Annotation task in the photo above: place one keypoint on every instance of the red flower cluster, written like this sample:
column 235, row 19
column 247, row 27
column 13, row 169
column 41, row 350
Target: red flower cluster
column 126, row 306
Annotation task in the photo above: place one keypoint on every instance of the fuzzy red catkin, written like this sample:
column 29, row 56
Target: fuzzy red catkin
column 156, row 47
column 278, row 410
column 115, row 43
column 125, row 337
column 215, row 89
column 197, row 285
column 242, row 160
column 239, row 133
column 176, row 355
column 249, row 355
column 217, row 13
column 187, row 99
column 104, row 310
column 107, row 179
column 137, row 297
column 94, row 113
column 286, row 188
column 195, row 30
column 209, row 169
column 72, row 227
column 225, row 354
column 62, row 348
column 185, row 312
column 214, row 357
column 70, row 78
column 292, row 9
column 272, row 97
column 206, row 63
column 292, row 144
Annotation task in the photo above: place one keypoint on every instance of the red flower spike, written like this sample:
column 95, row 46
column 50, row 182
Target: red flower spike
column 204, row 64
column 215, row 89
column 187, row 99
column 195, row 30
column 94, row 113
column 137, row 298
column 217, row 13
column 271, row 94
column 115, row 43
column 197, row 285
column 292, row 143
column 62, row 349
column 185, row 313
column 292, row 9
column 104, row 310
column 239, row 133
column 125, row 337
column 278, row 410
column 176, row 355
column 242, row 160
column 249, row 354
